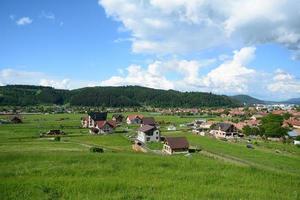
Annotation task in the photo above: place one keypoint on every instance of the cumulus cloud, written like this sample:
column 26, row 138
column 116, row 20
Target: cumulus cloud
column 60, row 84
column 233, row 76
column 138, row 76
column 24, row 21
column 284, row 84
column 9, row 76
column 176, row 26
column 12, row 76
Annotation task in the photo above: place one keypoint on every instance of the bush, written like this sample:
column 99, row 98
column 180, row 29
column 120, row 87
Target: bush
column 96, row 150
column 57, row 139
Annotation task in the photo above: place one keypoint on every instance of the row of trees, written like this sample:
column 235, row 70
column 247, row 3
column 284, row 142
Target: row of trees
column 271, row 126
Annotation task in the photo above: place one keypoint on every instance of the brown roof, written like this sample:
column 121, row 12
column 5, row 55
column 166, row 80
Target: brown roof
column 146, row 128
column 148, row 121
column 102, row 123
column 177, row 142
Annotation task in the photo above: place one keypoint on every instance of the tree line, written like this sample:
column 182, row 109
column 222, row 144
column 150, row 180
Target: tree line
column 123, row 96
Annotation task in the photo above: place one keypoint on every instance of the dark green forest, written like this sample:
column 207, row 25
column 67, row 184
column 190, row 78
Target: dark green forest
column 123, row 96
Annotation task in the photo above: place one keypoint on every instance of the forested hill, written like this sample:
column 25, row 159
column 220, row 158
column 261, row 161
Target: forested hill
column 246, row 99
column 126, row 96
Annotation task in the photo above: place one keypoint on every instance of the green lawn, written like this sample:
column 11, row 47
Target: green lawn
column 35, row 168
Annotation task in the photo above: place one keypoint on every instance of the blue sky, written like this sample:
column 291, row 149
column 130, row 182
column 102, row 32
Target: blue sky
column 182, row 45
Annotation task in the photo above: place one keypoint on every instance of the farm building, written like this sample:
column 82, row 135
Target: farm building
column 176, row 145
column 55, row 132
column 223, row 130
column 134, row 119
column 148, row 133
column 16, row 120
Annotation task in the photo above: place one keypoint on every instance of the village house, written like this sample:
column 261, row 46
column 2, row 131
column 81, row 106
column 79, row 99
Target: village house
column 293, row 122
column 134, row 119
column 148, row 133
column 176, row 145
column 103, row 127
column 223, row 130
column 92, row 118
column 118, row 118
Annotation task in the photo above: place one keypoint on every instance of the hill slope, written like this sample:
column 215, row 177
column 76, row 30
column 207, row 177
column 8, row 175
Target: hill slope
column 126, row 96
column 293, row 101
column 246, row 99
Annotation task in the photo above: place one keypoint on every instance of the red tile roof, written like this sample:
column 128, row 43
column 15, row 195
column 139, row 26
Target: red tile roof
column 132, row 117
column 101, row 124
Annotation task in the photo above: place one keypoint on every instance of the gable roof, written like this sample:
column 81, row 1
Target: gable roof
column 102, row 123
column 98, row 116
column 177, row 142
column 222, row 126
column 148, row 121
column 134, row 116
column 117, row 116
column 146, row 128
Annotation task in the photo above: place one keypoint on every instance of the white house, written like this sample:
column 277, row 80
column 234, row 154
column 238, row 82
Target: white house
column 223, row 130
column 103, row 127
column 91, row 120
column 171, row 128
column 148, row 133
column 134, row 119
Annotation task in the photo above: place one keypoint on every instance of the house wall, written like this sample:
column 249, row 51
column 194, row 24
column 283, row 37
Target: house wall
column 167, row 149
column 218, row 133
column 143, row 137
column 91, row 122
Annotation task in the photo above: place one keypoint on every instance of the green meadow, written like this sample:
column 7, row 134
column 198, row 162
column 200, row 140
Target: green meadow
column 41, row 168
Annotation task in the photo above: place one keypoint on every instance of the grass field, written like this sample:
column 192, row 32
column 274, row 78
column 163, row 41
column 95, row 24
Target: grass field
column 41, row 168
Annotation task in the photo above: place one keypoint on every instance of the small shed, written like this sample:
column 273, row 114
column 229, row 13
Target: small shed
column 16, row 119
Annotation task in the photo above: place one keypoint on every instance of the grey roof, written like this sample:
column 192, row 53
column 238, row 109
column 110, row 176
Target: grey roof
column 98, row 116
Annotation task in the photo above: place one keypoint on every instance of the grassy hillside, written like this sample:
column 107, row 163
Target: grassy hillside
column 128, row 96
column 34, row 168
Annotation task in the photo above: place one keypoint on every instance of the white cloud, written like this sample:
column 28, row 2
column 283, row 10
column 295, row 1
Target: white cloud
column 284, row 84
column 24, row 21
column 11, row 76
column 60, row 84
column 138, row 76
column 47, row 15
column 176, row 26
column 233, row 76
column 230, row 77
